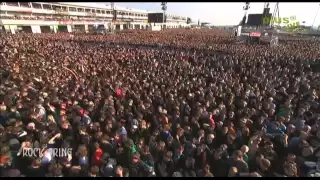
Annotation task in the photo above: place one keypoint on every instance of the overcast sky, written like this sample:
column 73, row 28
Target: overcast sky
column 230, row 13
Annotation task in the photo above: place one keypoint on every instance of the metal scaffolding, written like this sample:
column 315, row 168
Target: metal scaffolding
column 246, row 7
column 264, row 13
column 275, row 14
column 164, row 9
column 113, row 17
column 315, row 17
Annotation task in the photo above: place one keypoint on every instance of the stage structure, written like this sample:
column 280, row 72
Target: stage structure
column 246, row 7
column 254, row 31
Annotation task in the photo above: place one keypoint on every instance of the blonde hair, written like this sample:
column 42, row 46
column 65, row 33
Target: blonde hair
column 244, row 149
column 232, row 171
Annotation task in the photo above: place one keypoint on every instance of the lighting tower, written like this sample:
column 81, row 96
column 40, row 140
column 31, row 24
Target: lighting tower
column 164, row 9
column 265, row 13
column 275, row 14
column 113, row 17
column 315, row 17
column 265, row 6
column 246, row 7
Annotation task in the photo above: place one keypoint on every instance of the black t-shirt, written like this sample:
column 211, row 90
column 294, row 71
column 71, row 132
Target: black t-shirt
column 4, row 170
column 219, row 167
column 253, row 165
column 66, row 132
column 22, row 163
column 265, row 173
column 108, row 147
column 281, row 98
column 280, row 150
column 271, row 155
column 66, row 171
column 240, row 165
column 35, row 172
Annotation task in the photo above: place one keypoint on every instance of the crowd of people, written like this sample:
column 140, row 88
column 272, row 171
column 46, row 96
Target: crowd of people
column 174, row 103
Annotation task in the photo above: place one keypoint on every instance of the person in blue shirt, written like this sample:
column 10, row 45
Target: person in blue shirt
column 274, row 129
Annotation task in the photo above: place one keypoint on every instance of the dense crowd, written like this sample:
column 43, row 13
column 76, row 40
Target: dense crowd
column 174, row 103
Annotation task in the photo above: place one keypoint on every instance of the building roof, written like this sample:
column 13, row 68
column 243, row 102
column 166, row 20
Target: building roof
column 103, row 6
column 92, row 5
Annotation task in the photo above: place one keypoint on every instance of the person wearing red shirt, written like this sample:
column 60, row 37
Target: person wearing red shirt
column 96, row 160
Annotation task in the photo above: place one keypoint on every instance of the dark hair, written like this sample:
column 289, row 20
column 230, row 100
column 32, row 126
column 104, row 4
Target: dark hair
column 55, row 168
column 82, row 150
column 94, row 170
column 238, row 154
column 259, row 154
column 36, row 162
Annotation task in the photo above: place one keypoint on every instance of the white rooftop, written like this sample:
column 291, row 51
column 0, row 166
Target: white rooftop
column 103, row 6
